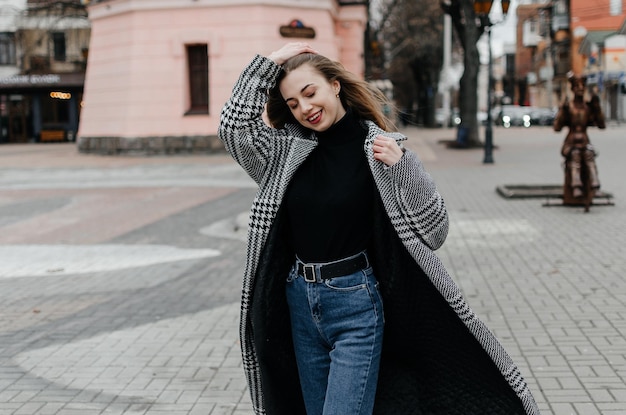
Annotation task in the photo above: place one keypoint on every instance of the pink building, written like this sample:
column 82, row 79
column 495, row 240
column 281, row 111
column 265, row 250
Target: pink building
column 159, row 71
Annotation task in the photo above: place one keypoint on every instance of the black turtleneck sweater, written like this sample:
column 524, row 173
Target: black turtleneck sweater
column 330, row 198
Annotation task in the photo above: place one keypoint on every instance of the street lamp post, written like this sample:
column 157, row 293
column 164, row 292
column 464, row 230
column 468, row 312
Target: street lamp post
column 482, row 9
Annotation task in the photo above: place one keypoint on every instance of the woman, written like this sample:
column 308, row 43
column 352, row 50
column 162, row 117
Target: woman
column 345, row 216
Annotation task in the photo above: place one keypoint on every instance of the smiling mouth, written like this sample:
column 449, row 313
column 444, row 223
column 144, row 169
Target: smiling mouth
column 314, row 119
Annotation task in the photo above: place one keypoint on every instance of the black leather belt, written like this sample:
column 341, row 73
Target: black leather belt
column 348, row 266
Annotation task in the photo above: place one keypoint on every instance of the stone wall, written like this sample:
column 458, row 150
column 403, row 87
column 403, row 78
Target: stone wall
column 150, row 145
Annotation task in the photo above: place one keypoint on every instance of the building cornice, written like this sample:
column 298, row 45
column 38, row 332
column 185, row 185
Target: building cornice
column 105, row 8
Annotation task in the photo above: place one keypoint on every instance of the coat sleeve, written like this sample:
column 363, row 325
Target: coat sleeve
column 245, row 135
column 419, row 200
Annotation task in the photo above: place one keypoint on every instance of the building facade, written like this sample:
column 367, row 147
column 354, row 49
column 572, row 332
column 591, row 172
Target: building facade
column 10, row 11
column 528, row 53
column 160, row 71
column 43, row 53
column 562, row 37
column 599, row 51
column 542, row 53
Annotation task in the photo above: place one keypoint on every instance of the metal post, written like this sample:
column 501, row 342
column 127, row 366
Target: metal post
column 489, row 128
column 445, row 71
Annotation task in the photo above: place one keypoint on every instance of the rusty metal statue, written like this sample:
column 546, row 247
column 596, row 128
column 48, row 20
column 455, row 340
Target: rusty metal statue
column 581, row 173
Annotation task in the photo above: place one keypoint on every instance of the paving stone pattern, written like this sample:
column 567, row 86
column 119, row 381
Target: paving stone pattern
column 120, row 276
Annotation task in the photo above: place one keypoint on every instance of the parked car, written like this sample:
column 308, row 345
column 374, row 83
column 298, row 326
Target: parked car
column 440, row 118
column 455, row 117
column 481, row 116
column 542, row 116
column 506, row 116
column 513, row 116
column 452, row 119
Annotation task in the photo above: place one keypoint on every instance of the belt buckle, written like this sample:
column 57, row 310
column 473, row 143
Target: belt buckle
column 309, row 273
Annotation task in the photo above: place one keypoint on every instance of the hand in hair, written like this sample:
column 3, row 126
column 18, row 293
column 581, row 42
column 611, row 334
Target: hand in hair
column 386, row 150
column 290, row 50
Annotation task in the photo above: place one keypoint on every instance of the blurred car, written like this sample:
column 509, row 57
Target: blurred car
column 542, row 116
column 506, row 116
column 440, row 118
column 513, row 116
column 452, row 119
column 455, row 117
column 481, row 116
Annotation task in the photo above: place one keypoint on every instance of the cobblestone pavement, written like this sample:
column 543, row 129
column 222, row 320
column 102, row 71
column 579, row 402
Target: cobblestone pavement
column 120, row 276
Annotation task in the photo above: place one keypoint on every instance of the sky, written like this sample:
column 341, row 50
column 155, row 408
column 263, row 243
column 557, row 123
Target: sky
column 504, row 32
column 8, row 10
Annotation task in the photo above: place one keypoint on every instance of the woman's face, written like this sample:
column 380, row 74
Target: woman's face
column 311, row 98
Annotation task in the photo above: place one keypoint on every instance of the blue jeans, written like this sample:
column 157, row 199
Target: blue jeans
column 337, row 328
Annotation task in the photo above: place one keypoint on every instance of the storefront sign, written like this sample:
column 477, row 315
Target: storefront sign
column 297, row 29
column 19, row 80
column 42, row 81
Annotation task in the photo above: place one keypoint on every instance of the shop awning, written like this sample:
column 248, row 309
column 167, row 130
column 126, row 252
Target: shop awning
column 594, row 37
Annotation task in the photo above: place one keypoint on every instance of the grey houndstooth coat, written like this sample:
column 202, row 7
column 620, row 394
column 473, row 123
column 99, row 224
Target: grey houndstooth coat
column 438, row 357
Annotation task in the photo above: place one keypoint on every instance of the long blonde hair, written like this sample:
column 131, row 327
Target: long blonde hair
column 366, row 101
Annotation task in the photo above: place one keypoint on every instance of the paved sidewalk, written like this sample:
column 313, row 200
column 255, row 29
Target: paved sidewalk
column 120, row 276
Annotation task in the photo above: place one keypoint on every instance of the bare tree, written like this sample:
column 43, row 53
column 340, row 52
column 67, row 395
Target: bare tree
column 468, row 29
column 411, row 32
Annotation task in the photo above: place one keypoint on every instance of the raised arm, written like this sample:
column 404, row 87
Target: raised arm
column 597, row 116
column 246, row 136
column 562, row 116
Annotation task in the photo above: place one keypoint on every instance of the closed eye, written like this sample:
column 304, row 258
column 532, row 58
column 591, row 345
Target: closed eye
column 292, row 103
